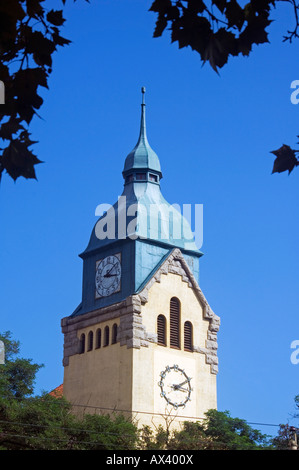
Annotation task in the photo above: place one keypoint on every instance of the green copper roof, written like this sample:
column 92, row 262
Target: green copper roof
column 142, row 202
column 142, row 157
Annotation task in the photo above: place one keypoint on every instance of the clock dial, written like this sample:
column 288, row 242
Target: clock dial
column 175, row 386
column 108, row 276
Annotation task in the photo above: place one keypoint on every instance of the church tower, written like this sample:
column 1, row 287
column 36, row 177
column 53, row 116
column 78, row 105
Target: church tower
column 143, row 341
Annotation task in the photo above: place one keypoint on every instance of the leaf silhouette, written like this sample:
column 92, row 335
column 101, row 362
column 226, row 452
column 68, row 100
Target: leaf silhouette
column 285, row 159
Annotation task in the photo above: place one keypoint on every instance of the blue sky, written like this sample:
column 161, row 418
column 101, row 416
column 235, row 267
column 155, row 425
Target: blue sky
column 213, row 135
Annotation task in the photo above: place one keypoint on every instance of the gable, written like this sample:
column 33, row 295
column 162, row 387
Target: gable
column 175, row 279
column 175, row 263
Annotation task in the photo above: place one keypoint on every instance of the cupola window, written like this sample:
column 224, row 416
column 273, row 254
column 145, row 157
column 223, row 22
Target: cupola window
column 153, row 178
column 129, row 178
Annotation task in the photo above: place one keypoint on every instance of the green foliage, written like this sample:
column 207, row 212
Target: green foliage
column 218, row 431
column 232, row 433
column 191, row 437
column 286, row 432
column 103, row 432
column 150, row 440
column 47, row 423
column 17, row 375
column 282, row 440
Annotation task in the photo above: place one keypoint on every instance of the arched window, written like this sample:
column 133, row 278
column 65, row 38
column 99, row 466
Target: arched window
column 90, row 341
column 114, row 334
column 188, row 336
column 98, row 338
column 82, row 344
column 161, row 330
column 175, row 323
column 106, row 336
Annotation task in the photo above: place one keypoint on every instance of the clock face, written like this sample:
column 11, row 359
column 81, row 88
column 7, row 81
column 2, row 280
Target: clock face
column 175, row 386
column 108, row 275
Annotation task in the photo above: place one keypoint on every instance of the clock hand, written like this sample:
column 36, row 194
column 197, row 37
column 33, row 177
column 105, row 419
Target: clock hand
column 108, row 273
column 179, row 385
column 181, row 388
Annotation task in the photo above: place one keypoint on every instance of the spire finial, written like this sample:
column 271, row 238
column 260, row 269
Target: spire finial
column 143, row 94
column 142, row 124
column 142, row 156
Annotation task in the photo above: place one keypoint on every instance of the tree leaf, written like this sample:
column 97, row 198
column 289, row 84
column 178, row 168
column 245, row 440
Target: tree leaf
column 55, row 17
column 220, row 4
column 161, row 24
column 285, row 159
column 18, row 160
column 34, row 8
column 59, row 40
column 161, row 6
column 196, row 5
column 10, row 127
column 220, row 46
column 234, row 14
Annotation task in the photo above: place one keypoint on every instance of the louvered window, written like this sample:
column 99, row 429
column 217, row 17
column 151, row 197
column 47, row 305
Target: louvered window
column 174, row 323
column 161, row 330
column 188, row 333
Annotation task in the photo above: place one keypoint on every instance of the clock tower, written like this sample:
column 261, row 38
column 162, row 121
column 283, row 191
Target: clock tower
column 143, row 341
